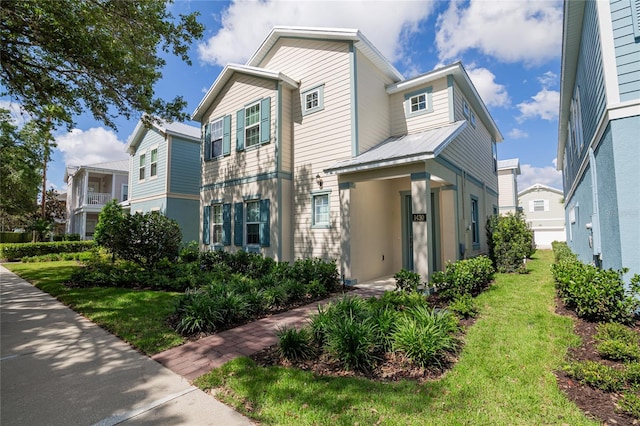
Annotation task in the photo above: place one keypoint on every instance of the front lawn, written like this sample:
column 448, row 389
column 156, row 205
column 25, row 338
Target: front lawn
column 138, row 317
column 504, row 375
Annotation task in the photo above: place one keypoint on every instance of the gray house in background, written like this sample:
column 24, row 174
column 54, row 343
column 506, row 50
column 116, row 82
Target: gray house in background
column 544, row 211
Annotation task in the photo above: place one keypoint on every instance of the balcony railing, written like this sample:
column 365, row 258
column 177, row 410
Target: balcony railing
column 98, row 198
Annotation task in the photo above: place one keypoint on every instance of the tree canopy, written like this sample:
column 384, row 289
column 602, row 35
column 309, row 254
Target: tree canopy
column 59, row 58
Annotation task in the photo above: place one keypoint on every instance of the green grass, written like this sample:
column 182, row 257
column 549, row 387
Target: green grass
column 504, row 375
column 138, row 317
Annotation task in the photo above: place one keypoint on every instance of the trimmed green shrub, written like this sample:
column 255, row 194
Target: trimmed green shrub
column 463, row 306
column 18, row 251
column 190, row 252
column 294, row 344
column 561, row 251
column 597, row 375
column 15, row 237
column 54, row 257
column 407, row 281
column 469, row 276
column 510, row 241
column 630, row 404
column 617, row 342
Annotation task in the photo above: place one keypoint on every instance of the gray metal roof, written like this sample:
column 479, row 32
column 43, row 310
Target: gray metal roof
column 511, row 163
column 404, row 149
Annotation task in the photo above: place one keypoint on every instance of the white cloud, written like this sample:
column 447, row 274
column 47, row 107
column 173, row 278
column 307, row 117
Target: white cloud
column 548, row 79
column 385, row 23
column 543, row 104
column 517, row 134
column 547, row 175
column 96, row 145
column 19, row 115
column 528, row 31
column 492, row 93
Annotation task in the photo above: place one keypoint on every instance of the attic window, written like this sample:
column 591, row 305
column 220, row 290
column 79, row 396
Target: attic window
column 418, row 102
column 313, row 100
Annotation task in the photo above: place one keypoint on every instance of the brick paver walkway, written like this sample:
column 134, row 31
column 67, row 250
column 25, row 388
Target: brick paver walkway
column 201, row 356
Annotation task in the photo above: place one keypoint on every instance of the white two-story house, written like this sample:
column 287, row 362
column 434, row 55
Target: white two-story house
column 89, row 188
column 319, row 147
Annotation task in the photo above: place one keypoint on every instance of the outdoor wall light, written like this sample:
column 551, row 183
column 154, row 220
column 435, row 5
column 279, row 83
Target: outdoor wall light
column 319, row 181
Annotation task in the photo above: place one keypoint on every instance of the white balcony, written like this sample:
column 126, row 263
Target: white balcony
column 98, row 198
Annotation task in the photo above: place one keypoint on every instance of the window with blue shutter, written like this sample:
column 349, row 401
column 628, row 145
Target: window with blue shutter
column 240, row 130
column 226, row 135
column 265, row 120
column 226, row 224
column 635, row 17
column 207, row 141
column 265, row 233
column 238, row 223
column 205, row 225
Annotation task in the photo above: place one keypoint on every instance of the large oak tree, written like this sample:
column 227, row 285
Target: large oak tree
column 59, row 58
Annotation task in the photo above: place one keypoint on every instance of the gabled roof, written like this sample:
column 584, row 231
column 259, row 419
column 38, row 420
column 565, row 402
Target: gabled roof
column 107, row 167
column 571, row 37
column 226, row 75
column 509, row 164
column 348, row 34
column 538, row 187
column 175, row 129
column 464, row 83
column 398, row 150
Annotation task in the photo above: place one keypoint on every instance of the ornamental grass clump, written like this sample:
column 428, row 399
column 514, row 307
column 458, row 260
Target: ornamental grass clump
column 294, row 344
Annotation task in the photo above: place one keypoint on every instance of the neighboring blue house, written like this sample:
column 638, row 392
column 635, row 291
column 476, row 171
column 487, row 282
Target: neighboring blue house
column 164, row 173
column 599, row 131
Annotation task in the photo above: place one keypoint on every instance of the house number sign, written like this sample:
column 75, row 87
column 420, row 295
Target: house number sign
column 419, row 217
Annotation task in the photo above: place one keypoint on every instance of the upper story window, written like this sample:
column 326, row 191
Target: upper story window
column 419, row 102
column 125, row 192
column 154, row 162
column 473, row 119
column 539, row 205
column 494, row 150
column 313, row 100
column 141, row 171
column 252, row 124
column 216, row 138
column 465, row 109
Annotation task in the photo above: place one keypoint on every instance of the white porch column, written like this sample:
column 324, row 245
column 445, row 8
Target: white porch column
column 113, row 186
column 85, row 189
column 345, row 231
column 83, row 226
column 421, row 209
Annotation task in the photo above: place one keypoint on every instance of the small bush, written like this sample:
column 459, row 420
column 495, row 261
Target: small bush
column 385, row 320
column 561, row 251
column 190, row 252
column 424, row 335
column 469, row 276
column 464, row 306
column 294, row 344
column 617, row 342
column 597, row 375
column 630, row 404
column 510, row 241
column 407, row 281
column 352, row 342
column 319, row 325
column 196, row 313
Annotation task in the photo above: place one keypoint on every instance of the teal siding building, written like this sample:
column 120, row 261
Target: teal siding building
column 164, row 173
column 599, row 131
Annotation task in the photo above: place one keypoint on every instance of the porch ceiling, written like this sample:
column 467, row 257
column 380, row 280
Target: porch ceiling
column 398, row 150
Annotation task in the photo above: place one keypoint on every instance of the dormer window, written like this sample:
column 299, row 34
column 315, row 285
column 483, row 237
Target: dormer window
column 418, row 102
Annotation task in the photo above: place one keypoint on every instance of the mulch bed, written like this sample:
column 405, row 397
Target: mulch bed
column 597, row 404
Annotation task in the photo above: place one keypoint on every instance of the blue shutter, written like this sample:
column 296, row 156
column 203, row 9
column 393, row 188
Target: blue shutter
column 635, row 17
column 265, row 120
column 207, row 141
column 238, row 223
column 240, row 130
column 205, row 225
column 226, row 224
column 265, row 234
column 226, row 135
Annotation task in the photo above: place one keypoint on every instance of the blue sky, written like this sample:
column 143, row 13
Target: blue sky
column 510, row 48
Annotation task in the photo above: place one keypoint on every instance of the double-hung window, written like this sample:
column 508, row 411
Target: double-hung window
column 252, row 124
column 141, row 172
column 320, row 210
column 252, row 222
column 217, row 222
column 154, row 162
column 216, row 138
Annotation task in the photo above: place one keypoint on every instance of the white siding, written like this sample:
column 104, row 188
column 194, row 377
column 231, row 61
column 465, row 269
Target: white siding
column 472, row 149
column 508, row 196
column 374, row 118
column 402, row 125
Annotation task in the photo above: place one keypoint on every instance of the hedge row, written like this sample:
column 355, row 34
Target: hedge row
column 598, row 295
column 18, row 251
column 464, row 277
column 15, row 237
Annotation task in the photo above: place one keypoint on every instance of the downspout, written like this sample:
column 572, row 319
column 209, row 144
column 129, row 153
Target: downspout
column 595, row 241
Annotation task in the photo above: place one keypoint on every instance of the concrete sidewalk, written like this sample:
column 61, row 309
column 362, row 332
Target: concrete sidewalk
column 58, row 368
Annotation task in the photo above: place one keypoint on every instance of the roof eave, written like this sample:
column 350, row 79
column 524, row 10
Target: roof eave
column 378, row 164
